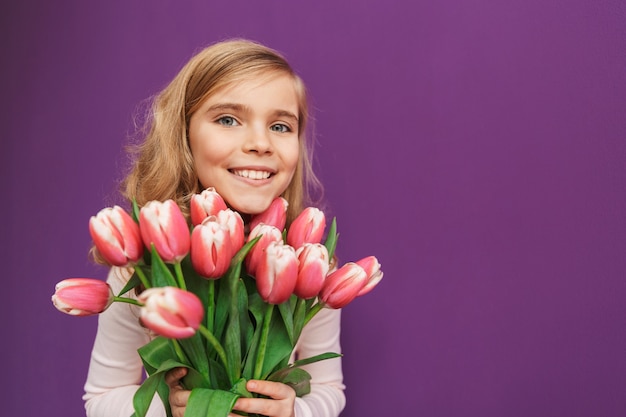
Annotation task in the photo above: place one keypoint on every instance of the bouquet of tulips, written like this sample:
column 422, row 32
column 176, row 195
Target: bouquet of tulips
column 216, row 297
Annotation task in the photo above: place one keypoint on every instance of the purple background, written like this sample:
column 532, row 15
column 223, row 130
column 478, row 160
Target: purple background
column 476, row 147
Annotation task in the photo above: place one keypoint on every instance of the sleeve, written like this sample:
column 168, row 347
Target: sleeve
column 321, row 335
column 115, row 369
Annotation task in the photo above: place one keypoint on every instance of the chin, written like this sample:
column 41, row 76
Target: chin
column 252, row 206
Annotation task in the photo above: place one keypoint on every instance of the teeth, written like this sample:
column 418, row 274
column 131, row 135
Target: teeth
column 254, row 175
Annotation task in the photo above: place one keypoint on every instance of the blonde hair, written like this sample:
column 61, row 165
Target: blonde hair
column 163, row 166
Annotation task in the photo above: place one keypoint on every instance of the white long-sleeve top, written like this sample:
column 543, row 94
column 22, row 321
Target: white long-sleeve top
column 116, row 371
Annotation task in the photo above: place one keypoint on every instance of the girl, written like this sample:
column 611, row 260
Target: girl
column 234, row 119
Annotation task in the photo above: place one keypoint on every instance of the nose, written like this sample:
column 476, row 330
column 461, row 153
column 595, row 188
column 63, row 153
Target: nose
column 258, row 140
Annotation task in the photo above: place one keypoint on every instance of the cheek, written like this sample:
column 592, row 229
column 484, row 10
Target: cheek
column 292, row 157
column 205, row 150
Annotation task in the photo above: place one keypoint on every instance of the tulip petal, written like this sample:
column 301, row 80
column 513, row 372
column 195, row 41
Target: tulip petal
column 277, row 273
column 82, row 296
column 343, row 285
column 171, row 312
column 164, row 226
column 275, row 215
column 308, row 227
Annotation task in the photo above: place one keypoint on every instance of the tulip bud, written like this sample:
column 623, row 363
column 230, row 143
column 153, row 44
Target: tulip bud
column 308, row 227
column 233, row 223
column 374, row 274
column 257, row 253
column 211, row 249
column 275, row 215
column 277, row 273
column 116, row 236
column 312, row 269
column 207, row 203
column 82, row 296
column 171, row 312
column 343, row 285
column 163, row 224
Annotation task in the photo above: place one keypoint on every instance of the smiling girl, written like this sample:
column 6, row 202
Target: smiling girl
column 234, row 119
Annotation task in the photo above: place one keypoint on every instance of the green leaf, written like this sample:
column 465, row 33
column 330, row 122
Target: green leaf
column 164, row 392
column 256, row 307
column 195, row 283
column 280, row 349
column 240, row 389
column 132, row 283
column 232, row 338
column 299, row 315
column 286, row 312
column 145, row 393
column 135, row 212
column 296, row 378
column 156, row 382
column 241, row 254
column 161, row 274
column 204, row 402
column 331, row 239
column 194, row 348
column 154, row 353
column 218, row 376
column 222, row 303
column 316, row 358
column 245, row 323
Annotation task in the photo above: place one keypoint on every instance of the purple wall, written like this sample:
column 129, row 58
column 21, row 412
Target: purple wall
column 476, row 147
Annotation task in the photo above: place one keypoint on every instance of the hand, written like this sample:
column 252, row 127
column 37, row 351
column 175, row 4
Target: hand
column 280, row 403
column 178, row 395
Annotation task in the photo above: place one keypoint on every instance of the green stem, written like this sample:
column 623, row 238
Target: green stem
column 313, row 311
column 215, row 343
column 127, row 300
column 179, row 351
column 179, row 276
column 210, row 308
column 182, row 358
column 142, row 277
column 258, row 368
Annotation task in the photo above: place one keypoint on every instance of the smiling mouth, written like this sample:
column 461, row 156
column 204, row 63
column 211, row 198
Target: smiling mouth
column 251, row 174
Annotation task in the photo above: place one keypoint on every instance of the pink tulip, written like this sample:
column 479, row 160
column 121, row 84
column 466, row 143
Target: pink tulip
column 163, row 224
column 82, row 296
column 257, row 253
column 171, row 312
column 343, row 285
column 207, row 203
column 374, row 274
column 211, row 249
column 312, row 269
column 308, row 227
column 275, row 215
column 232, row 221
column 116, row 236
column 277, row 273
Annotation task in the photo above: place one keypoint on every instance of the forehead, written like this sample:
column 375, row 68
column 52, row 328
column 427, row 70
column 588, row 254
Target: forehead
column 280, row 81
column 273, row 91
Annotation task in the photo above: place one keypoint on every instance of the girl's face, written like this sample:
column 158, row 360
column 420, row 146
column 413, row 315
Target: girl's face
column 244, row 141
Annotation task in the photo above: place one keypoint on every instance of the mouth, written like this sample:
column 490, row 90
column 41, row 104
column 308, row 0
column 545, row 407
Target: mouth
column 251, row 174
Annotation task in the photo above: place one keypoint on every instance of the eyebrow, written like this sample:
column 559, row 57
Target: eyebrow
column 242, row 108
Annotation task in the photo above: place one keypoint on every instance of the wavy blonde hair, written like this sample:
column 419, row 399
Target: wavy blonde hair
column 163, row 166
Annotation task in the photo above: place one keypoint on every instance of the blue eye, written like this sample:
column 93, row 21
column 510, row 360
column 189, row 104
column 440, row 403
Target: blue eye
column 227, row 121
column 281, row 128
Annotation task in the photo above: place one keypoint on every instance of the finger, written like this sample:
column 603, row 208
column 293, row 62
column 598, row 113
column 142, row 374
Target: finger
column 257, row 406
column 275, row 390
column 172, row 377
column 179, row 398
